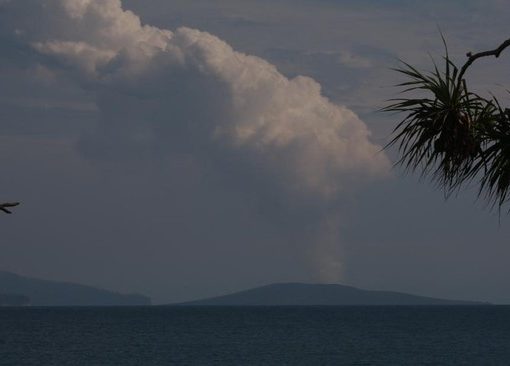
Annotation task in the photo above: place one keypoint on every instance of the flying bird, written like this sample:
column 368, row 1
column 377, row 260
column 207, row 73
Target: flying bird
column 4, row 206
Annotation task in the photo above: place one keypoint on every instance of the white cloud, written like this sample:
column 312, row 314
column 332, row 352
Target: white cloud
column 284, row 127
column 350, row 59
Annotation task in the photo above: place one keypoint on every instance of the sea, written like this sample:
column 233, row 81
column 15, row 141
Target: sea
column 357, row 335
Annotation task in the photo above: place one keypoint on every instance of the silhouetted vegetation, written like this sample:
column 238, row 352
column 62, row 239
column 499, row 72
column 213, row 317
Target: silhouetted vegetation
column 5, row 206
column 452, row 134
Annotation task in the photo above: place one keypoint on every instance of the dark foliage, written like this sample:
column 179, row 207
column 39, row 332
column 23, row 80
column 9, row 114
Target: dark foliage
column 452, row 134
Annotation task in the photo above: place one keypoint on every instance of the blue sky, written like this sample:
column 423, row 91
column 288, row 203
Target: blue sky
column 166, row 184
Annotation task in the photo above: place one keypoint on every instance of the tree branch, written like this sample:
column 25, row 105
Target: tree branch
column 4, row 206
column 472, row 58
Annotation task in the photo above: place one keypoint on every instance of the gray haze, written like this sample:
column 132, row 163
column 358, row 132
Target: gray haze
column 170, row 161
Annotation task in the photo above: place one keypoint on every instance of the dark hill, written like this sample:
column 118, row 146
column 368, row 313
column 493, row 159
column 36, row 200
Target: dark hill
column 14, row 300
column 309, row 294
column 50, row 293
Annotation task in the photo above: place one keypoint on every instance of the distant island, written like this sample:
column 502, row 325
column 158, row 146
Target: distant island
column 300, row 294
column 14, row 300
column 36, row 292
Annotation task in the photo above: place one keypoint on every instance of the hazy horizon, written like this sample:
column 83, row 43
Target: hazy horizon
column 188, row 149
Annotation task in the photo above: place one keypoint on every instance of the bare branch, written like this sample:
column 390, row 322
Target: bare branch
column 472, row 58
column 4, row 206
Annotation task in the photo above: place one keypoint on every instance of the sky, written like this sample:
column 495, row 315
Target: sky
column 185, row 149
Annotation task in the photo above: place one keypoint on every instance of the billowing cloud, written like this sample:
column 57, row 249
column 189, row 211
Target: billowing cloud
column 189, row 91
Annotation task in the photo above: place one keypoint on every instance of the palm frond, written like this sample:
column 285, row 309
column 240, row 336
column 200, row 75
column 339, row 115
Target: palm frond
column 438, row 135
column 451, row 134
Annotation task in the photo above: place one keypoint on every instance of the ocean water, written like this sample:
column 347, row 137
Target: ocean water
column 255, row 336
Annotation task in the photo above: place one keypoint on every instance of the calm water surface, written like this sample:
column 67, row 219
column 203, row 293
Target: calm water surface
column 255, row 336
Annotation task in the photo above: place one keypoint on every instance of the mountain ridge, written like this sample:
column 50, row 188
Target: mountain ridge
column 305, row 294
column 55, row 293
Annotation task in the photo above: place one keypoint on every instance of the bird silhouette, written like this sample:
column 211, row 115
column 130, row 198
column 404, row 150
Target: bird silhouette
column 4, row 206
